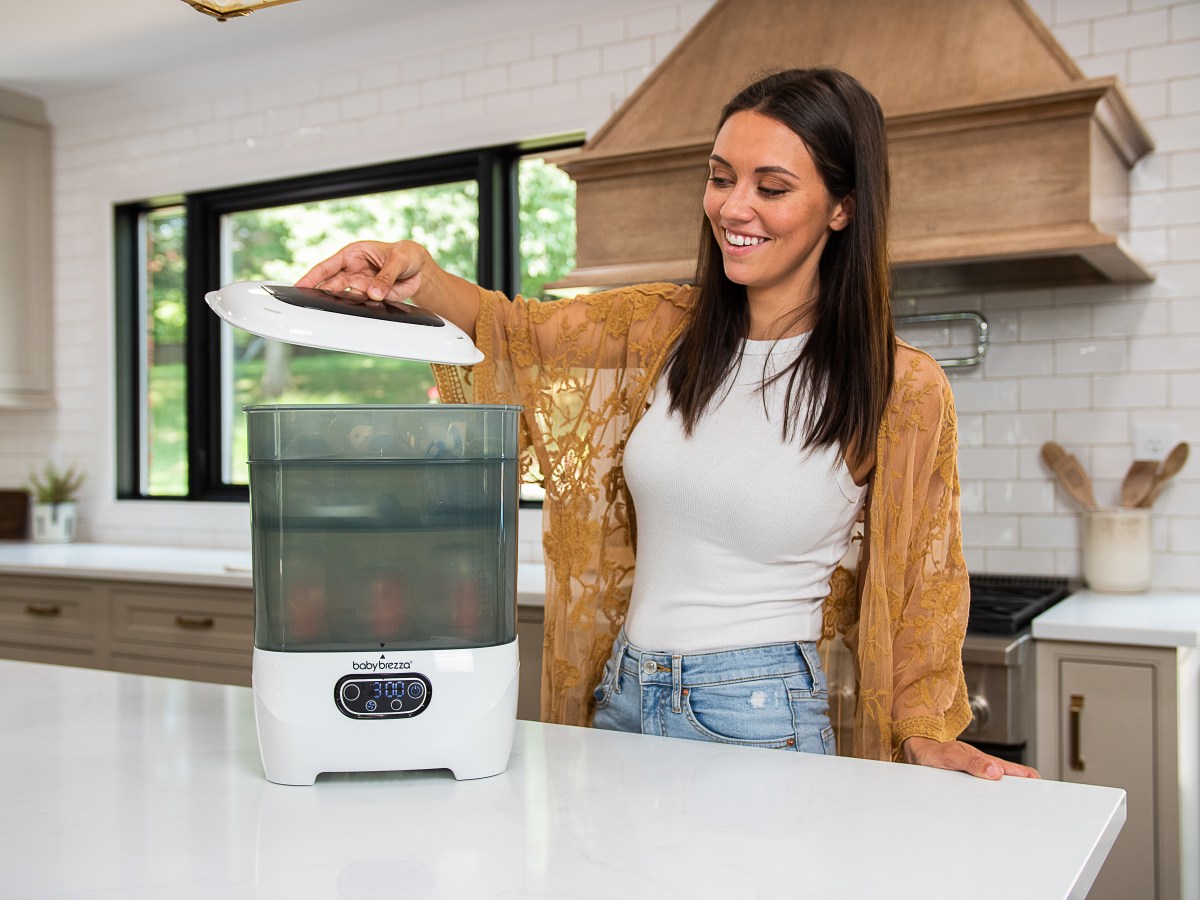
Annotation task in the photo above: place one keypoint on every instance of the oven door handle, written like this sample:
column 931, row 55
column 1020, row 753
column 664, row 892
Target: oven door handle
column 1076, row 726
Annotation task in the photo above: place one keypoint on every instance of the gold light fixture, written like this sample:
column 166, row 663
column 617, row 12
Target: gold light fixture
column 224, row 11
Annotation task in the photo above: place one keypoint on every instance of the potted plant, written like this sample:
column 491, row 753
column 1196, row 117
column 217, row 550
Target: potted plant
column 53, row 491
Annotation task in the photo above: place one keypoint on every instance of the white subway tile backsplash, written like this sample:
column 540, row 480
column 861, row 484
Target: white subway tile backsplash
column 1025, row 562
column 1054, row 323
column 442, row 89
column 1016, row 429
column 1185, row 21
column 1082, row 357
column 1184, row 169
column 987, row 463
column 572, row 66
column 978, row 395
column 1091, row 426
column 1163, row 354
column 635, row 54
column 651, row 22
column 531, row 73
column 1184, row 536
column 1019, row 497
column 602, row 32
column 508, row 49
column 1057, row 532
column 1150, row 99
column 1135, row 317
column 1183, row 242
column 1103, row 64
column 1055, row 393
column 992, row 531
column 1174, row 60
column 1075, row 38
column 1176, row 133
column 1126, row 390
column 1124, row 33
column 1086, row 10
column 1008, row 360
column 556, row 41
column 1183, row 389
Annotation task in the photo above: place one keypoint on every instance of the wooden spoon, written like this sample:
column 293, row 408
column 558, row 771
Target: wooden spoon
column 1070, row 473
column 1139, row 482
column 1169, row 469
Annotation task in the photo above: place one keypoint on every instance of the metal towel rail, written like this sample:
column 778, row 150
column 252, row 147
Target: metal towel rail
column 981, row 334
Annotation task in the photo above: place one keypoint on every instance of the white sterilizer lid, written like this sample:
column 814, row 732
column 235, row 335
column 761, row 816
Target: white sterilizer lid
column 346, row 321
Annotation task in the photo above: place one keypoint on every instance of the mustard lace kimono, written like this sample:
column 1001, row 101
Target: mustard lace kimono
column 582, row 369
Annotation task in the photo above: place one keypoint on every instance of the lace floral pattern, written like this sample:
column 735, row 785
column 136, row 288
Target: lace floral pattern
column 582, row 369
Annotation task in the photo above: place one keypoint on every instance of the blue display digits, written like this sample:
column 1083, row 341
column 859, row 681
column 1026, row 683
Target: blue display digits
column 389, row 697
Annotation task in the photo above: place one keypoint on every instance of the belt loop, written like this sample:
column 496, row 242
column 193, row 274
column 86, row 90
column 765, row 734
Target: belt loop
column 619, row 660
column 677, row 684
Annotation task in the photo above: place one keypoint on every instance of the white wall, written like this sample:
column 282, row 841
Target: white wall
column 1082, row 366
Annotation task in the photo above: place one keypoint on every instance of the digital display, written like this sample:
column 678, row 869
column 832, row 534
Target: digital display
column 353, row 304
column 372, row 697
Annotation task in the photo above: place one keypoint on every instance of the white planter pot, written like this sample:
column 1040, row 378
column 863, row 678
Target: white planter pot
column 54, row 523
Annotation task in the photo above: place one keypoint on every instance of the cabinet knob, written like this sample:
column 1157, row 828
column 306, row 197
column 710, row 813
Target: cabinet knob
column 43, row 609
column 1076, row 751
column 194, row 622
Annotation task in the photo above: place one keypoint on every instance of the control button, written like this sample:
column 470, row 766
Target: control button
column 371, row 705
column 351, row 691
column 396, row 704
column 416, row 690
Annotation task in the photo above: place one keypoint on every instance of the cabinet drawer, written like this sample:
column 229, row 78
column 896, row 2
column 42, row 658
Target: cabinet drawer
column 185, row 617
column 39, row 612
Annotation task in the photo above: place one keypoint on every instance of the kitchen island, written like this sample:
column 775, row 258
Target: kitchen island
column 142, row 788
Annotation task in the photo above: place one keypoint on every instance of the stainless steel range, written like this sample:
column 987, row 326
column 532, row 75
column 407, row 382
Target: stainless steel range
column 998, row 660
column 997, row 664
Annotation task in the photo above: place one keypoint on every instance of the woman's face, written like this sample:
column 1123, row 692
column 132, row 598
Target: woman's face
column 770, row 211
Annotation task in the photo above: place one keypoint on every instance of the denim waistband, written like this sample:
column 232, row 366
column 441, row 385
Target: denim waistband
column 764, row 661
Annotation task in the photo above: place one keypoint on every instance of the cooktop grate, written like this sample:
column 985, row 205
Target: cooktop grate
column 1004, row 604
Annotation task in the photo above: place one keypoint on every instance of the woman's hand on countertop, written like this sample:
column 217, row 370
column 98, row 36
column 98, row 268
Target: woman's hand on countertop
column 960, row 757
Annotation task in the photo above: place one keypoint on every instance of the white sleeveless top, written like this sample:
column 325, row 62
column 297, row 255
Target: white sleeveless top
column 738, row 533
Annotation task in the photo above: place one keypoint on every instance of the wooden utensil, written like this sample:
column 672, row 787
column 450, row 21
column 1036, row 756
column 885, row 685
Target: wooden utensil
column 1169, row 469
column 1139, row 482
column 1070, row 473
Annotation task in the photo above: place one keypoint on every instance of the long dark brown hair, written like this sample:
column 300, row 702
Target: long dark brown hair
column 848, row 361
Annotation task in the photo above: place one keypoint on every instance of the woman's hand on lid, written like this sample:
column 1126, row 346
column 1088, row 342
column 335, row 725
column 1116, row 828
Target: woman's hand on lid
column 381, row 271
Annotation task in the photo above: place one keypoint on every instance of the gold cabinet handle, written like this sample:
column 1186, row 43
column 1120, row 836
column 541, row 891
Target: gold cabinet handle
column 195, row 623
column 1075, row 727
column 46, row 611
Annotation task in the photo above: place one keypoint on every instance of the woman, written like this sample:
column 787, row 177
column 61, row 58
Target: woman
column 748, row 421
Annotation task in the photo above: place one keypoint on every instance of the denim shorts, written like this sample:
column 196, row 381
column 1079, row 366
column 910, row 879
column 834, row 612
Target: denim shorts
column 773, row 696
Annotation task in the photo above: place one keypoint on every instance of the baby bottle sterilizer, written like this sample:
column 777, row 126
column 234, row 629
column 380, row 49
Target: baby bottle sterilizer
column 384, row 569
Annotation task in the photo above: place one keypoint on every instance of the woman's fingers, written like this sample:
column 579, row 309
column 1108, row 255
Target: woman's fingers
column 401, row 265
column 962, row 757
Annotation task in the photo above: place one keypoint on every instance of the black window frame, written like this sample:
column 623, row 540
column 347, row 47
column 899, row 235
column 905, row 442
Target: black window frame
column 494, row 169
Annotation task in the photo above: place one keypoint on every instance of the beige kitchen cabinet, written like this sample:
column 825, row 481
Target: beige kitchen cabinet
column 53, row 620
column 530, row 634
column 25, row 289
column 180, row 631
column 1115, row 715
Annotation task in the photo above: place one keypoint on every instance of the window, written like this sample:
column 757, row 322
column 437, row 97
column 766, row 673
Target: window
column 500, row 217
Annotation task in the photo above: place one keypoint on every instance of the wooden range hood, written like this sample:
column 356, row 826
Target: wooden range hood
column 1009, row 167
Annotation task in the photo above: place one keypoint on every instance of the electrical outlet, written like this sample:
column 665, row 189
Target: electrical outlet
column 1153, row 441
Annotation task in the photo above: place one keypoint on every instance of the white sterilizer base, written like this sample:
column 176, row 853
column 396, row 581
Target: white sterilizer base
column 466, row 724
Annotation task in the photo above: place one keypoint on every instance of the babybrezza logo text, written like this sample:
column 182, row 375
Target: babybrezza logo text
column 377, row 665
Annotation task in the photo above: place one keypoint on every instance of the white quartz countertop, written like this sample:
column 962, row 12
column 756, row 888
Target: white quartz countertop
column 139, row 788
column 176, row 565
column 1153, row 619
